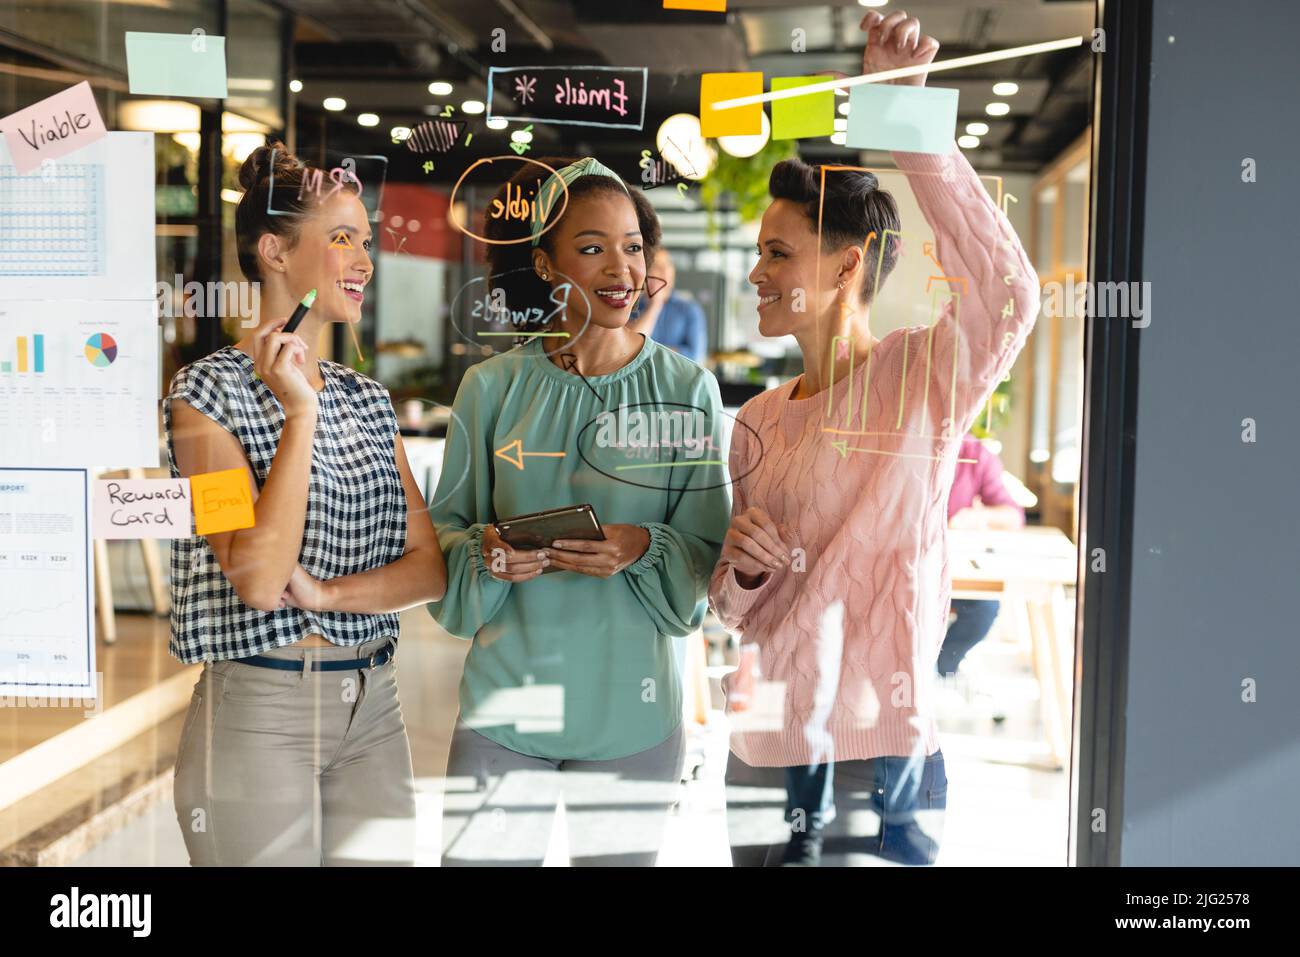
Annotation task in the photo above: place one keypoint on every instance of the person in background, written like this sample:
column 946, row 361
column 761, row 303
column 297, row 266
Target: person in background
column 978, row 500
column 669, row 319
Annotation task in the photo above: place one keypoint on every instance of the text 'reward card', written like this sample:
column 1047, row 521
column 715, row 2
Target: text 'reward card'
column 176, row 64
column 141, row 508
column 910, row 119
column 739, row 121
column 54, row 127
column 802, row 116
column 223, row 501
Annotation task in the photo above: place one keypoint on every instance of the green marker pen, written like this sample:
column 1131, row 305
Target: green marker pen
column 301, row 311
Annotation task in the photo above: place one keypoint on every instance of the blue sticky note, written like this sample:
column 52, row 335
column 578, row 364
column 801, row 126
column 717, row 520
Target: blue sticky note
column 176, row 64
column 911, row 119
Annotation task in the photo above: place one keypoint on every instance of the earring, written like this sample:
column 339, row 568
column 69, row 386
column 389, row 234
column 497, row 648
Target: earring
column 546, row 277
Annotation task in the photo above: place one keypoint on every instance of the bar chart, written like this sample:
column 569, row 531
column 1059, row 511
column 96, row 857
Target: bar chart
column 28, row 356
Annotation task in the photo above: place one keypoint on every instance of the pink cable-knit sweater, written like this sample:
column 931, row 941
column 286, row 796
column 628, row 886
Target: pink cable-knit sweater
column 846, row 646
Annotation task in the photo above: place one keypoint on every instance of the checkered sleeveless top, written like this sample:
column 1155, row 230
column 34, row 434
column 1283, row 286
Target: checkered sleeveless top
column 356, row 507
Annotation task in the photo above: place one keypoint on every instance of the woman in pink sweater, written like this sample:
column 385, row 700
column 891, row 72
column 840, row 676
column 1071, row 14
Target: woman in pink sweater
column 835, row 569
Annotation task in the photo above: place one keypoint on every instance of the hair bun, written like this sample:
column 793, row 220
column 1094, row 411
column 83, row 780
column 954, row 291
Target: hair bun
column 257, row 166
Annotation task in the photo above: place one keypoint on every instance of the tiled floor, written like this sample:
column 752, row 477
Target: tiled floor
column 999, row 812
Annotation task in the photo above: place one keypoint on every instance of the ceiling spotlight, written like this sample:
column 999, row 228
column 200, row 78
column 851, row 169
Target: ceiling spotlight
column 498, row 123
column 844, row 109
column 977, row 129
column 746, row 146
column 679, row 143
column 368, row 119
column 521, row 136
column 440, row 88
column 839, row 139
column 1006, row 88
column 968, row 142
column 872, row 3
column 295, row 86
column 334, row 103
column 472, row 107
column 997, row 109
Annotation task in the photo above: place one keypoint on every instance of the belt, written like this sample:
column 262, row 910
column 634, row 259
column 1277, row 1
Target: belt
column 380, row 657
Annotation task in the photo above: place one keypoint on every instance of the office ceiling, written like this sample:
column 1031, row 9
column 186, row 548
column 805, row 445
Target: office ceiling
column 382, row 55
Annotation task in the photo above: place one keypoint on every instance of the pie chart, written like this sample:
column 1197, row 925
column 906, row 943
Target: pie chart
column 101, row 350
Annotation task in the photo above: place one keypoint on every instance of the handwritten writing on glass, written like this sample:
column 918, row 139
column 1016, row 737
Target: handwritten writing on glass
column 525, row 88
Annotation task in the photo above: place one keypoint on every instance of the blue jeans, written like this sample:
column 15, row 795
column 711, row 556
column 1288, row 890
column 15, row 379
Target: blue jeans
column 908, row 795
column 974, row 620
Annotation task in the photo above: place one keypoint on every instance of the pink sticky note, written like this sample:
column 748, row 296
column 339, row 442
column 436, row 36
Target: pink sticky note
column 54, row 127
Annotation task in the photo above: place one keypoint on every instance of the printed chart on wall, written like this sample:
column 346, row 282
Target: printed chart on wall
column 57, row 238
column 78, row 384
column 47, row 640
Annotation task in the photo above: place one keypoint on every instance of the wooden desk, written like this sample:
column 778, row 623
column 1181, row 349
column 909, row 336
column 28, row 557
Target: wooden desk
column 1028, row 570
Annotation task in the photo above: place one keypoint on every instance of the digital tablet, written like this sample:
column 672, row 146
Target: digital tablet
column 542, row 529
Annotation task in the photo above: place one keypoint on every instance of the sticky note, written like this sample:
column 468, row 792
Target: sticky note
column 740, row 121
column 54, row 127
column 176, row 64
column 912, row 119
column 811, row 115
column 223, row 501
column 141, row 508
column 710, row 6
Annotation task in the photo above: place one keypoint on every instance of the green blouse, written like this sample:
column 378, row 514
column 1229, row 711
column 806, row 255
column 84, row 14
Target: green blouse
column 567, row 666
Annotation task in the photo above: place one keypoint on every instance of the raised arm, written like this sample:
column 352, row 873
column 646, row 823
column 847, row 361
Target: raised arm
column 259, row 561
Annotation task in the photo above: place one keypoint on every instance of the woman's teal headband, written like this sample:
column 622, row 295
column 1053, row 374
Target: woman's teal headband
column 562, row 179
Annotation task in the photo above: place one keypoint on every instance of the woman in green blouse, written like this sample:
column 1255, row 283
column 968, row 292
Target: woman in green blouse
column 571, row 687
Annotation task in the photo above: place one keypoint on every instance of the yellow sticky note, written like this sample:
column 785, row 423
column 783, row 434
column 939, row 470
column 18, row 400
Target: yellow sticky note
column 223, row 501
column 738, row 121
column 711, row 6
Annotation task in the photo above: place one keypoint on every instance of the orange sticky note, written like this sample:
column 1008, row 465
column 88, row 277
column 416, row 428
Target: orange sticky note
column 711, row 6
column 738, row 121
column 223, row 501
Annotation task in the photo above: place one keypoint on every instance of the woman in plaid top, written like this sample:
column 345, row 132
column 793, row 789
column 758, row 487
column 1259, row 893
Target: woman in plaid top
column 294, row 751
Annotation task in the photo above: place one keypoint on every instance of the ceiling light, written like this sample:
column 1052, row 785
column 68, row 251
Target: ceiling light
column 844, row 109
column 1006, row 88
column 742, row 147
column 334, row 103
column 841, row 124
column 497, row 123
column 968, row 142
column 680, row 144
column 839, row 139
column 399, row 133
column 295, row 86
column 440, row 88
column 997, row 109
column 521, row 136
column 368, row 119
column 872, row 3
column 977, row 129
column 472, row 107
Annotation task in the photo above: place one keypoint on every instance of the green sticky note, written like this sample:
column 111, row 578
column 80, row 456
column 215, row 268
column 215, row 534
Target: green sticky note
column 802, row 116
column 176, row 64
column 910, row 119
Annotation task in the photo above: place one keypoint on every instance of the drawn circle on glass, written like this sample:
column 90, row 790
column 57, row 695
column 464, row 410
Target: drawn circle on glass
column 451, row 212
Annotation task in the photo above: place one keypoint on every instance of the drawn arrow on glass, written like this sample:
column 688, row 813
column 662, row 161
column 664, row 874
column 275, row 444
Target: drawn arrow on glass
column 842, row 446
column 514, row 453
column 570, row 363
